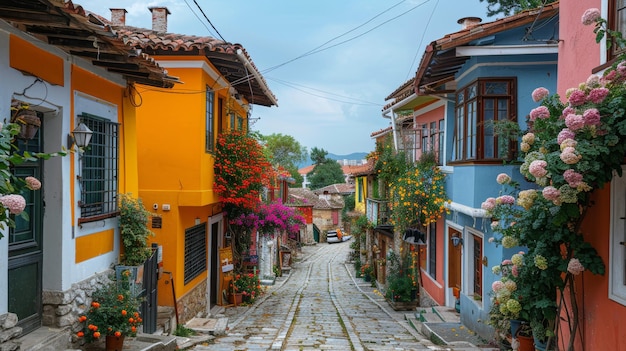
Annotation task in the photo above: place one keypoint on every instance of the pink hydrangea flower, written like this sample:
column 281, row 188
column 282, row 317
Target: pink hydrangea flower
column 497, row 286
column 590, row 16
column 621, row 68
column 488, row 204
column 593, row 80
column 540, row 112
column 505, row 200
column 551, row 193
column 515, row 271
column 566, row 111
column 568, row 143
column 610, row 76
column 575, row 267
column 591, row 117
column 565, row 134
column 574, row 122
column 577, row 98
column 507, row 262
column 569, row 156
column 572, row 178
column 14, row 203
column 539, row 94
column 33, row 183
column 528, row 138
column 597, row 95
column 538, row 168
column 503, row 178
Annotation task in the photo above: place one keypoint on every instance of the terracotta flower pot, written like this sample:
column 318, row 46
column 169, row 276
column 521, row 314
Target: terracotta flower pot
column 114, row 343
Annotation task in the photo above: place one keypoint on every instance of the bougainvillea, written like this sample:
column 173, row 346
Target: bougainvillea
column 272, row 218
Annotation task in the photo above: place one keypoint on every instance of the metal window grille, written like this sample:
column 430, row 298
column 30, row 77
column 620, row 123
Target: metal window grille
column 99, row 171
column 432, row 250
column 195, row 251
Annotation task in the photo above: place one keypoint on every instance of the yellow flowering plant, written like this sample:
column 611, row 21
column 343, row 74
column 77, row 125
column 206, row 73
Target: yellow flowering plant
column 418, row 196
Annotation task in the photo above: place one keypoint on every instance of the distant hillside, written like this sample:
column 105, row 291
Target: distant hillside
column 352, row 156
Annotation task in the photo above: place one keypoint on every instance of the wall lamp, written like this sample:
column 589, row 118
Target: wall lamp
column 414, row 236
column 456, row 241
column 80, row 136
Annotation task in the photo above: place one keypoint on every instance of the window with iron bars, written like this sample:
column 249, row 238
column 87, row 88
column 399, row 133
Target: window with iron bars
column 99, row 170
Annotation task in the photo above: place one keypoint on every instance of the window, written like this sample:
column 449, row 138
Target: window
column 473, row 246
column 195, row 251
column 210, row 108
column 441, row 140
column 425, row 146
column 99, row 170
column 617, row 260
column 432, row 250
column 617, row 22
column 478, row 106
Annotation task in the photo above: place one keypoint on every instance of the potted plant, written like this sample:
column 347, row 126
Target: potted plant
column 112, row 315
column 27, row 119
column 248, row 286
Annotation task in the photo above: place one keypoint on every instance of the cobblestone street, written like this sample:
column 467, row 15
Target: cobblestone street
column 321, row 306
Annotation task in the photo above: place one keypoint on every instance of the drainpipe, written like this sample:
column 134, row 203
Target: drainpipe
column 394, row 129
column 257, row 76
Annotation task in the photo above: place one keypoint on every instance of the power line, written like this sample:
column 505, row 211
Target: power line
column 293, row 85
column 199, row 19
column 419, row 46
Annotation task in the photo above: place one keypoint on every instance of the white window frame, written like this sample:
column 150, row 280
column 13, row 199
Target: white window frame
column 468, row 262
column 617, row 251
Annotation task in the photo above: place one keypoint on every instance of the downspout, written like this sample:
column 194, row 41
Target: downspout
column 257, row 76
column 394, row 129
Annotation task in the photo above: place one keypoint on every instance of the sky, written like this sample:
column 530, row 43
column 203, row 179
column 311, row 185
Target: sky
column 330, row 63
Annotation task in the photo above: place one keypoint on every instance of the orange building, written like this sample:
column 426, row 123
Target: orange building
column 176, row 135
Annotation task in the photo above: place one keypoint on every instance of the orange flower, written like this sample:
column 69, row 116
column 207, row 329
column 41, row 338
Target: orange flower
column 124, row 312
column 80, row 334
column 120, row 297
column 96, row 335
column 117, row 334
column 95, row 304
column 131, row 320
column 92, row 327
column 133, row 329
column 82, row 318
column 136, row 314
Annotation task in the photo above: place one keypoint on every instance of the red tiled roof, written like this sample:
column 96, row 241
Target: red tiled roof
column 439, row 64
column 339, row 188
column 365, row 169
column 307, row 196
column 306, row 170
column 381, row 132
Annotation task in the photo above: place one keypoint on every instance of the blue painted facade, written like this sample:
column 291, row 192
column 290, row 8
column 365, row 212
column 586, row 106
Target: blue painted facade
column 469, row 184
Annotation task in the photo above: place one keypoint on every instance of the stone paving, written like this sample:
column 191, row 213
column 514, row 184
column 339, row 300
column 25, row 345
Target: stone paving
column 321, row 306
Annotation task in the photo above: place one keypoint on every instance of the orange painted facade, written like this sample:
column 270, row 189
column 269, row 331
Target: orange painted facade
column 175, row 169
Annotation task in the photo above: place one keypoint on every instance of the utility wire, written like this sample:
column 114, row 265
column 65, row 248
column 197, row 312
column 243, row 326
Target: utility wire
column 335, row 38
column 419, row 46
column 208, row 20
column 199, row 19
column 294, row 85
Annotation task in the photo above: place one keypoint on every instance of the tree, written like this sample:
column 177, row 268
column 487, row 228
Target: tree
column 325, row 173
column 318, row 156
column 510, row 7
column 293, row 171
column 284, row 150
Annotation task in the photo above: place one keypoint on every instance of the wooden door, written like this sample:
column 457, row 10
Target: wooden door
column 454, row 260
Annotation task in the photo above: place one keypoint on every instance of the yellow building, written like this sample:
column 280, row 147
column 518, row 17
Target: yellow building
column 177, row 131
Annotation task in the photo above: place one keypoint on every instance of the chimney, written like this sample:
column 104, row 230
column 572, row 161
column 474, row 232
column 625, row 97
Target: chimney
column 159, row 18
column 118, row 17
column 469, row 22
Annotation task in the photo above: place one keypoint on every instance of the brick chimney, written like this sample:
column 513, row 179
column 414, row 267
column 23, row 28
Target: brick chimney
column 469, row 22
column 118, row 17
column 159, row 18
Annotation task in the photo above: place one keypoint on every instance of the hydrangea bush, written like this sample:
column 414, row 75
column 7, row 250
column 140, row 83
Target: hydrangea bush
column 572, row 146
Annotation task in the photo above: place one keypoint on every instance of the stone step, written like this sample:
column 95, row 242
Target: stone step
column 447, row 314
column 428, row 315
column 45, row 339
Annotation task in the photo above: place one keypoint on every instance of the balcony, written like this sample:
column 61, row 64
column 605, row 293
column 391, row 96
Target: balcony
column 377, row 211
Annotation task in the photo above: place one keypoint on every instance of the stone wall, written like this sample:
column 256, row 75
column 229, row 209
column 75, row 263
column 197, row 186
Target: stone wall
column 9, row 332
column 193, row 303
column 61, row 309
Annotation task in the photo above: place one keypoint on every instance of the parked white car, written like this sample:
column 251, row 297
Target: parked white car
column 336, row 236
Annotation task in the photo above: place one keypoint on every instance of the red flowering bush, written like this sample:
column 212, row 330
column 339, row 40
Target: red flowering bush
column 248, row 285
column 113, row 311
column 269, row 218
column 241, row 170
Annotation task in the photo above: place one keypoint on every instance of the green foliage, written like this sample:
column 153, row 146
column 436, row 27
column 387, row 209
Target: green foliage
column 349, row 203
column 134, row 219
column 284, row 150
column 183, row 331
column 510, row 7
column 326, row 173
column 400, row 282
column 389, row 165
column 113, row 311
column 247, row 284
column 297, row 177
column 318, row 156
